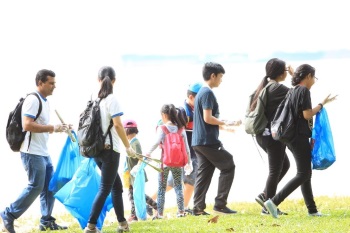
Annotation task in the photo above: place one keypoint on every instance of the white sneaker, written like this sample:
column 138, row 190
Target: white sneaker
column 123, row 227
column 317, row 214
column 88, row 230
column 271, row 207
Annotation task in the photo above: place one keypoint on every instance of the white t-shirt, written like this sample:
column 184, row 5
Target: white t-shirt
column 110, row 108
column 38, row 142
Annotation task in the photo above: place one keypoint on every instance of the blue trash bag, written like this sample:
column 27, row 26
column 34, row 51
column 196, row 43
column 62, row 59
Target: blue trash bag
column 139, row 193
column 67, row 164
column 323, row 153
column 79, row 194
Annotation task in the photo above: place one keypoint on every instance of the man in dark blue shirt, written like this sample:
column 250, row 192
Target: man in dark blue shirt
column 209, row 150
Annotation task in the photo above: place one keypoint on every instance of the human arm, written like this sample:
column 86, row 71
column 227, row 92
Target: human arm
column 309, row 113
column 159, row 137
column 117, row 124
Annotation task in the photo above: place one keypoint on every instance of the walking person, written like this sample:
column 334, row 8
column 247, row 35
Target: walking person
column 131, row 164
column 108, row 159
column 209, row 150
column 303, row 79
column 189, row 179
column 278, row 162
column 35, row 156
column 173, row 123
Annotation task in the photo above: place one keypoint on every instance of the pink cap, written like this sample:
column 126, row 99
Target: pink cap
column 129, row 124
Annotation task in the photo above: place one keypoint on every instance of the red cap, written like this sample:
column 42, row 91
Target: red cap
column 129, row 124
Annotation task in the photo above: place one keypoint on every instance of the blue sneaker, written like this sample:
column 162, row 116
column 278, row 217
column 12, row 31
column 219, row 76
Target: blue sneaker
column 8, row 223
column 271, row 207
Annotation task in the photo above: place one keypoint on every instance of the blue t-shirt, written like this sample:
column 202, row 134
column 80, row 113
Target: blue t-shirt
column 203, row 133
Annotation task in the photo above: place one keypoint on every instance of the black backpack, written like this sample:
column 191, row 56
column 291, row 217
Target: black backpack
column 90, row 135
column 14, row 130
column 284, row 124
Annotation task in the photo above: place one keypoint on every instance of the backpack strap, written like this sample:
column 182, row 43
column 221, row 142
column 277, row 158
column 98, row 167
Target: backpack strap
column 98, row 100
column 37, row 115
column 165, row 129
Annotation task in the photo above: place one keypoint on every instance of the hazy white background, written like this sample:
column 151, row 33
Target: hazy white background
column 76, row 38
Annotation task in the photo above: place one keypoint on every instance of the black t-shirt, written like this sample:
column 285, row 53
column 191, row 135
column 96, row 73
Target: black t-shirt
column 302, row 101
column 275, row 95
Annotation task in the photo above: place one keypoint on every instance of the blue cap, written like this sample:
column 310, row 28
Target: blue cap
column 194, row 87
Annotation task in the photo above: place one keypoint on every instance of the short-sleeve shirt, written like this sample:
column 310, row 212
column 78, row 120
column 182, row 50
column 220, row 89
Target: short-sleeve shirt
column 204, row 133
column 302, row 101
column 38, row 141
column 110, row 108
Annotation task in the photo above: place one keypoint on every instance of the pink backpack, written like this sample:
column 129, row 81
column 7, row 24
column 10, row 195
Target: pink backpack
column 173, row 149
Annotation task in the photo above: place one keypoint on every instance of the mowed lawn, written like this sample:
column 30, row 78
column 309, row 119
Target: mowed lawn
column 248, row 219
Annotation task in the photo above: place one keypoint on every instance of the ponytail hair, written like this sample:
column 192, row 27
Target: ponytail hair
column 106, row 75
column 174, row 115
column 274, row 68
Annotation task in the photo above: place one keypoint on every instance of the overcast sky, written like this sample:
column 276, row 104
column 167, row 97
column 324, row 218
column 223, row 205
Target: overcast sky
column 82, row 29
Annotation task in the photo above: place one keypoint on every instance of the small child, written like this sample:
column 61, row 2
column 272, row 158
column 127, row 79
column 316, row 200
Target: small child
column 173, row 123
column 131, row 130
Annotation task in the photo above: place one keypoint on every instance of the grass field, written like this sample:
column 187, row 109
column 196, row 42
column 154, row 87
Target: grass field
column 248, row 219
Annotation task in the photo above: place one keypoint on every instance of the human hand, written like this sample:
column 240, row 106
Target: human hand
column 329, row 99
column 134, row 170
column 188, row 168
column 232, row 123
column 130, row 152
column 60, row 128
column 290, row 70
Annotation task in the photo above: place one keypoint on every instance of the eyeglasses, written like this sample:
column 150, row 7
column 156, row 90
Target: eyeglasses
column 315, row 78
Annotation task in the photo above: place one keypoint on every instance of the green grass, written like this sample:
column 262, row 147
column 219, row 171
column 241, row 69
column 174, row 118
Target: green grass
column 247, row 220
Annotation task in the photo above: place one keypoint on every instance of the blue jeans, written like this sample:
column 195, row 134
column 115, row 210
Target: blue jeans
column 108, row 162
column 39, row 171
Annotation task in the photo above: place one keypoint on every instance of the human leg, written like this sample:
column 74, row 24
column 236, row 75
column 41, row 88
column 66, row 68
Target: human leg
column 178, row 181
column 299, row 148
column 132, row 204
column 35, row 167
column 162, row 181
column 108, row 163
column 203, row 179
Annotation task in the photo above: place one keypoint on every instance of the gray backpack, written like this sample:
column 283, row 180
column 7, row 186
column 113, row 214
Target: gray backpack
column 256, row 120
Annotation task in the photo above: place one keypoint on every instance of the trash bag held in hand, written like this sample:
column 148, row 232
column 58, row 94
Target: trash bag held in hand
column 67, row 164
column 79, row 194
column 139, row 193
column 323, row 153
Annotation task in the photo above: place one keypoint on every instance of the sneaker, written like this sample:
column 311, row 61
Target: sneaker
column 181, row 215
column 157, row 217
column 88, row 230
column 224, row 210
column 7, row 223
column 317, row 214
column 199, row 212
column 132, row 218
column 188, row 211
column 123, row 227
column 149, row 210
column 260, row 199
column 264, row 211
column 52, row 225
column 271, row 207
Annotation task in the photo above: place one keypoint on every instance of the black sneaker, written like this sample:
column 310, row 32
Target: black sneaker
column 264, row 211
column 199, row 212
column 224, row 210
column 7, row 223
column 260, row 199
column 53, row 226
column 189, row 211
column 149, row 210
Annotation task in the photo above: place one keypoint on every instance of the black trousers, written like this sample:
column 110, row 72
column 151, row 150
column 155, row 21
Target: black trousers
column 209, row 158
column 278, row 162
column 301, row 150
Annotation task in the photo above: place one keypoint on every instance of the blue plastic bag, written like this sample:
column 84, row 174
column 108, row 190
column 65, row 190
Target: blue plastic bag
column 79, row 193
column 139, row 193
column 323, row 153
column 67, row 164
